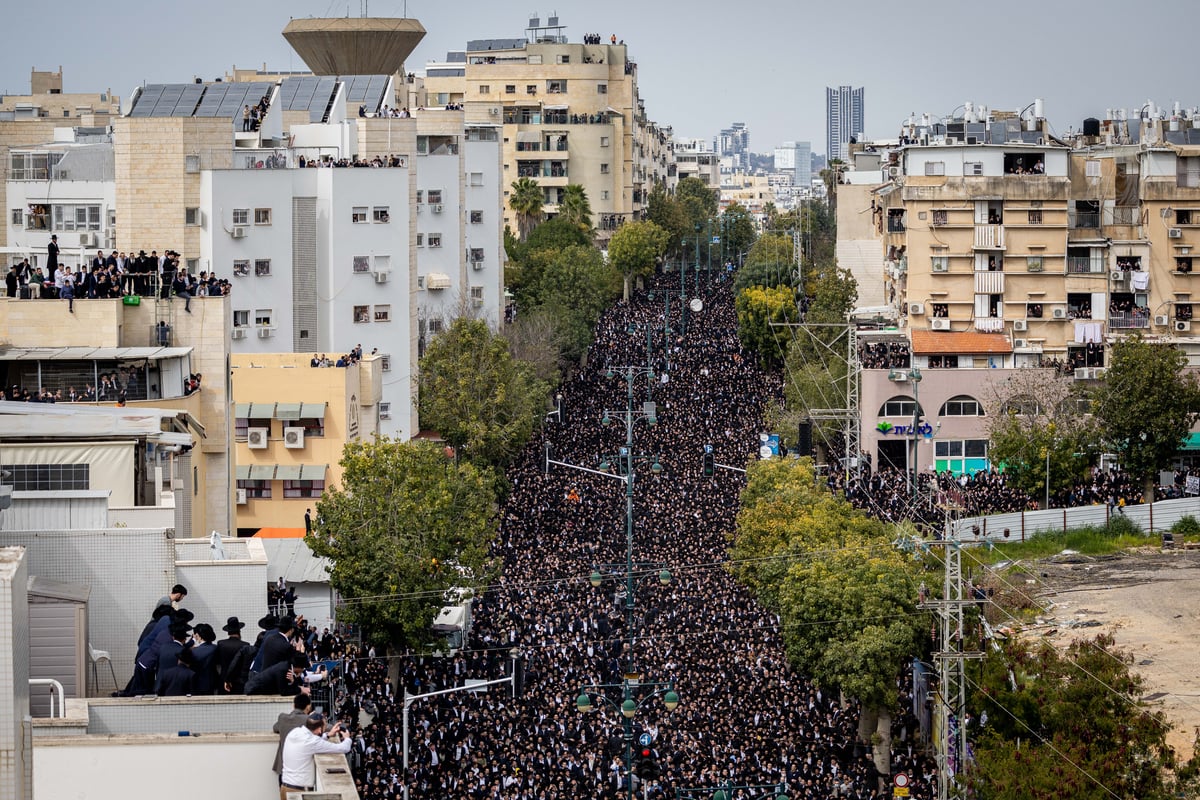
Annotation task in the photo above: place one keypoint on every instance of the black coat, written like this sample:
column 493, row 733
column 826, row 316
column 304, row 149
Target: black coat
column 276, row 647
column 206, row 668
column 276, row 680
column 175, row 681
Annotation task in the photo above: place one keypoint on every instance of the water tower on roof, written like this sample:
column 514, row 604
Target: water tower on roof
column 354, row 45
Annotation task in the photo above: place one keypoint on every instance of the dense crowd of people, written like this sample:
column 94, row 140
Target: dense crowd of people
column 884, row 355
column 745, row 717
column 344, row 360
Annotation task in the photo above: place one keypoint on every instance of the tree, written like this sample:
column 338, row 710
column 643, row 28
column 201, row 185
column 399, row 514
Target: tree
column 1073, row 728
column 772, row 248
column 535, row 337
column 476, row 395
column 665, row 211
column 575, row 208
column 1147, row 406
column 527, row 258
column 634, row 248
column 1038, row 415
column 527, row 201
column 406, row 524
column 575, row 284
column 738, row 229
column 757, row 309
column 698, row 201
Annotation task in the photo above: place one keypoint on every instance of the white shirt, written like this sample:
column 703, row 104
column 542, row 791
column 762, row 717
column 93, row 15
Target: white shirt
column 298, row 750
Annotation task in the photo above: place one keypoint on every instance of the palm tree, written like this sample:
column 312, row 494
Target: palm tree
column 575, row 208
column 527, row 200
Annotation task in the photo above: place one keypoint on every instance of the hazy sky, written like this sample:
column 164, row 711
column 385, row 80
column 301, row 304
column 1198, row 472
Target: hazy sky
column 702, row 64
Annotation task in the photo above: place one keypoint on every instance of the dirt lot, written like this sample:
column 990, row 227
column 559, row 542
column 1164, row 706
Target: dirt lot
column 1150, row 601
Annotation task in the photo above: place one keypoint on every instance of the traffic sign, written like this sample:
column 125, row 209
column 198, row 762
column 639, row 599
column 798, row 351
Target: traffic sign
column 900, row 785
column 645, row 739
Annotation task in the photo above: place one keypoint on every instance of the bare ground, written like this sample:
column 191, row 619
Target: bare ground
column 1149, row 600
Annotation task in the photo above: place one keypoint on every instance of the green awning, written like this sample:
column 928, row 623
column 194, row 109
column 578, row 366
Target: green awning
column 313, row 472
column 262, row 472
column 1191, row 442
column 243, row 473
column 241, row 410
column 261, row 411
column 287, row 472
column 312, row 411
column 287, row 410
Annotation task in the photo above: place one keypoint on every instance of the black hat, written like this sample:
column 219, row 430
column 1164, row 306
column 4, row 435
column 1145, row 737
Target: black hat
column 299, row 659
column 268, row 622
column 286, row 623
column 179, row 629
column 233, row 625
column 182, row 615
column 205, row 632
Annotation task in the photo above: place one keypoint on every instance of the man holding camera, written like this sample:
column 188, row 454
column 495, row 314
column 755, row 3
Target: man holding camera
column 299, row 748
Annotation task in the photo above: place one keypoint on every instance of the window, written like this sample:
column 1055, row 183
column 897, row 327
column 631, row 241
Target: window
column 385, row 363
column 604, row 141
column 1024, row 164
column 18, row 217
column 475, row 179
column 1187, row 172
column 435, row 197
column 435, row 240
column 241, row 319
column 485, row 89
column 531, row 88
column 380, row 214
column 191, row 164
column 895, row 220
column 76, row 218
column 241, row 268
column 961, row 457
column 383, row 263
column 420, row 240
column 262, row 216
column 899, row 407
column 241, row 427
column 358, row 214
column 943, row 362
column 191, row 217
column 362, row 314
column 1183, row 312
column 1183, row 264
column 476, row 217
column 262, row 317
column 241, row 216
column 32, row 166
column 477, row 293
column 47, row 477
column 604, row 194
column 961, row 406
column 1092, row 168
column 1183, row 216
column 383, row 313
column 510, row 88
column 556, row 87
column 935, row 168
column 940, row 263
column 1035, row 217
column 435, row 326
column 38, row 218
column 362, row 264
column 420, row 196
column 601, row 88
column 940, row 310
column 476, row 254
column 256, row 490
column 1034, row 263
column 604, row 169
column 973, row 168
column 1033, row 310
column 262, row 267
column 308, row 489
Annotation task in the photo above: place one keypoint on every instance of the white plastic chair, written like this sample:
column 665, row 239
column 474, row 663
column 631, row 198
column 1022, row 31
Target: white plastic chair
column 97, row 656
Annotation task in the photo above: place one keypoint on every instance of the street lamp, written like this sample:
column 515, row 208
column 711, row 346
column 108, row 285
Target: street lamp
column 629, row 707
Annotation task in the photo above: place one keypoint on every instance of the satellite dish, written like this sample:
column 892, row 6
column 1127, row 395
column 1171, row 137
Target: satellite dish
column 697, row 305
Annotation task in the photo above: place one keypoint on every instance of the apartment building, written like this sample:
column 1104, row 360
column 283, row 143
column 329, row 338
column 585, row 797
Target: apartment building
column 1005, row 247
column 571, row 114
column 694, row 158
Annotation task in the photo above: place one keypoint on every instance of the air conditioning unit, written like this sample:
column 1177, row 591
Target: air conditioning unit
column 894, row 172
column 87, row 240
column 382, row 277
column 941, row 266
column 241, row 497
column 293, row 438
column 477, row 301
column 916, row 309
column 476, row 265
column 1020, row 344
column 939, row 324
column 1174, row 233
column 494, row 111
column 1117, row 276
column 1099, row 372
column 1162, row 320
column 951, row 140
column 237, row 333
column 1082, row 373
column 256, row 438
column 1182, row 326
column 1020, row 325
column 238, row 232
column 385, row 410
column 265, row 332
column 436, row 208
column 1059, row 313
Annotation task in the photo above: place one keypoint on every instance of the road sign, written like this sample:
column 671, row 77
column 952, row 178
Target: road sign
column 900, row 785
column 645, row 739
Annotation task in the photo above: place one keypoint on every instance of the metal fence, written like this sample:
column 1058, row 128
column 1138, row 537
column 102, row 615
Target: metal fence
column 1150, row 517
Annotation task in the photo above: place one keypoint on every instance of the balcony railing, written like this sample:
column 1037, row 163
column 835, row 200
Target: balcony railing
column 989, row 237
column 1085, row 219
column 895, row 225
column 1079, row 265
column 1129, row 320
column 989, row 324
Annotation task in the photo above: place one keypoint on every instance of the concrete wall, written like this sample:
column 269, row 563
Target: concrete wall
column 218, row 590
column 15, row 729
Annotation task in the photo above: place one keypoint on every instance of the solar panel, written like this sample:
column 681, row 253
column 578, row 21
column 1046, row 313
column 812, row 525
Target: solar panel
column 146, row 100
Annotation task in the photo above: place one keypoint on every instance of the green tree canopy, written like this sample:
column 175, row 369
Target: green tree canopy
column 738, row 229
column 476, row 395
column 528, row 258
column 666, row 212
column 575, row 284
column 527, row 201
column 699, row 202
column 757, row 309
column 634, row 248
column 404, row 526
column 1147, row 406
column 575, row 208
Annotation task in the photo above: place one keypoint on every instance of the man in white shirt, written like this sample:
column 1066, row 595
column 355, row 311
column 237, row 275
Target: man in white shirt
column 306, row 741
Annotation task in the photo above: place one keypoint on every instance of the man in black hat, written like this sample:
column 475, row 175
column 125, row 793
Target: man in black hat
column 204, row 651
column 177, row 681
column 276, row 645
column 52, row 254
column 168, row 652
column 284, row 678
column 227, row 648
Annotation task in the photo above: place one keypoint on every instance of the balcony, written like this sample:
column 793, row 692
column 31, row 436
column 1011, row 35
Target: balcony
column 989, row 324
column 1083, row 265
column 1129, row 320
column 1084, row 219
column 989, row 283
column 895, row 224
column 989, row 237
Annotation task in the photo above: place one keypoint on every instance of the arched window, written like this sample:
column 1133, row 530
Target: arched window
column 1023, row 405
column 961, row 406
column 899, row 406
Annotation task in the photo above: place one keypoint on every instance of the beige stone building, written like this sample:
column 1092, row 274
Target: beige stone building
column 572, row 114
